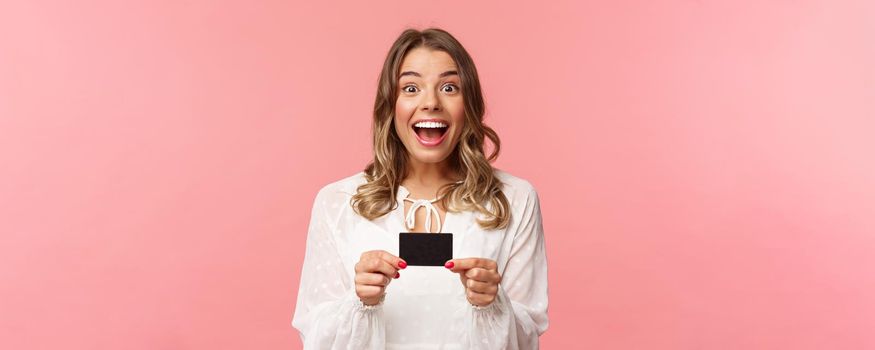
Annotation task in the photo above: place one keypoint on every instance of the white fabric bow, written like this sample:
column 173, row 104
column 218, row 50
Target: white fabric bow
column 430, row 209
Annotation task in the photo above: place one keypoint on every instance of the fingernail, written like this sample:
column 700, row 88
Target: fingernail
column 449, row 265
column 402, row 264
column 397, row 274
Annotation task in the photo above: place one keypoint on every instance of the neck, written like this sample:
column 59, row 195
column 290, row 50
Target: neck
column 429, row 174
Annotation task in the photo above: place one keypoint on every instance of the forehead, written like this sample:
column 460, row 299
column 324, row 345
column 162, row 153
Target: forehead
column 427, row 61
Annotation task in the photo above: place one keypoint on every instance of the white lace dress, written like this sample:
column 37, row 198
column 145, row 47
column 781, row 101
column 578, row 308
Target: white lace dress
column 426, row 307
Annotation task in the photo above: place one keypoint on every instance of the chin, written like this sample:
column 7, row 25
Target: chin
column 430, row 156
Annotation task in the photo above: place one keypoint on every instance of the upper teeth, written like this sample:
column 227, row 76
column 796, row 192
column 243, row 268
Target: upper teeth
column 430, row 125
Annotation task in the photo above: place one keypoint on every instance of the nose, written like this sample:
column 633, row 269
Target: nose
column 431, row 102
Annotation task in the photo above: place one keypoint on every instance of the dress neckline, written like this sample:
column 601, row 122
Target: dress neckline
column 403, row 194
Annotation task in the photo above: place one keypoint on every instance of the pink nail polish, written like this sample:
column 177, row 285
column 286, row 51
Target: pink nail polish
column 449, row 265
column 402, row 264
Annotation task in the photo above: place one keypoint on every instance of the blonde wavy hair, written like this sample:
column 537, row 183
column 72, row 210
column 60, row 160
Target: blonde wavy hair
column 384, row 174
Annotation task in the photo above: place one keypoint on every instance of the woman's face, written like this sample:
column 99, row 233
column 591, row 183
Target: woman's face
column 429, row 111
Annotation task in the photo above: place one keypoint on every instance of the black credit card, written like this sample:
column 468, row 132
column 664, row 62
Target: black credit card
column 425, row 249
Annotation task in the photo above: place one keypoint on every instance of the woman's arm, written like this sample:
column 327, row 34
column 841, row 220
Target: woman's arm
column 518, row 315
column 328, row 313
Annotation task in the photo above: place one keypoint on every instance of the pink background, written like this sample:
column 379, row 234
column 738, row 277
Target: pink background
column 705, row 168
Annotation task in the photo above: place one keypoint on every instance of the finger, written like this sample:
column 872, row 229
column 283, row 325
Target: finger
column 479, row 299
column 459, row 265
column 482, row 287
column 393, row 260
column 373, row 279
column 378, row 266
column 366, row 291
column 483, row 275
column 385, row 268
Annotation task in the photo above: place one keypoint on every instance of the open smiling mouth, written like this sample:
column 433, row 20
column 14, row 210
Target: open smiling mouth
column 430, row 133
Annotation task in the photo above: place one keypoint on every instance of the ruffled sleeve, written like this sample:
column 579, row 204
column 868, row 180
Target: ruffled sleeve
column 518, row 316
column 328, row 313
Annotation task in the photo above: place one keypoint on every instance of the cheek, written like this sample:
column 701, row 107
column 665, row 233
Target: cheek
column 402, row 116
column 458, row 115
column 456, row 109
column 404, row 109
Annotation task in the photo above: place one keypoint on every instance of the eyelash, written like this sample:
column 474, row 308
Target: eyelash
column 403, row 89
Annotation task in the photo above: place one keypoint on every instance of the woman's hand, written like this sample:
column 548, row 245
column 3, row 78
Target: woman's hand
column 479, row 276
column 373, row 272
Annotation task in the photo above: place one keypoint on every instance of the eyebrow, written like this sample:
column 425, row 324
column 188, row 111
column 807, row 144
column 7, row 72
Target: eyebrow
column 444, row 74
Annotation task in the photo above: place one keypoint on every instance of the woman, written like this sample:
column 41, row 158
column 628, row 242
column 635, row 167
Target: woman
column 356, row 292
